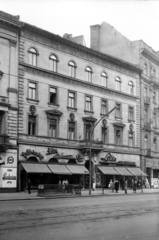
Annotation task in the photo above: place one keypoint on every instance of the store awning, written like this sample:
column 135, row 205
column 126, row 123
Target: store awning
column 108, row 170
column 122, row 171
column 137, row 172
column 59, row 169
column 77, row 169
column 35, row 168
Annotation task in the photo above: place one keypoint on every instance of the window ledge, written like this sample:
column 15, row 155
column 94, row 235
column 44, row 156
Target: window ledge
column 88, row 112
column 71, row 109
column 32, row 100
column 104, row 115
column 53, row 104
column 118, row 118
column 129, row 120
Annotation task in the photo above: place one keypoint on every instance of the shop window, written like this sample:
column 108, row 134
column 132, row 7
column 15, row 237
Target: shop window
column 31, row 125
column 33, row 56
column 53, row 95
column 32, row 90
column 89, row 74
column 72, row 69
column 53, row 63
column 104, row 79
column 103, row 107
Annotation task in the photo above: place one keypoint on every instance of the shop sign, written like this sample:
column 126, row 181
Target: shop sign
column 109, row 158
column 51, row 151
column 9, row 177
column 10, row 160
column 30, row 152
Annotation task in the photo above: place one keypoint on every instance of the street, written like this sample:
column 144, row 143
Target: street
column 102, row 217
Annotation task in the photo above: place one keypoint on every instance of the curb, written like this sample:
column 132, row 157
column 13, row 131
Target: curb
column 77, row 196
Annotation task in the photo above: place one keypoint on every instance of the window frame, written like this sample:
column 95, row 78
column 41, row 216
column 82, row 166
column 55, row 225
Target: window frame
column 131, row 119
column 89, row 72
column 75, row 100
column 104, row 78
column 133, row 138
column 53, row 62
column 106, row 106
column 75, row 130
column 131, row 87
column 91, row 103
column 36, row 90
column 33, row 56
column 118, row 84
column 155, row 145
column 104, row 137
column 56, row 99
column 72, row 68
column 120, row 112
column 28, row 127
column 121, row 137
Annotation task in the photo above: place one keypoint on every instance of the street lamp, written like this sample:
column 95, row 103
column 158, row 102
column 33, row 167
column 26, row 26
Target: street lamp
column 90, row 145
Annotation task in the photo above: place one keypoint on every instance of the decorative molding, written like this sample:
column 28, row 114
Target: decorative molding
column 14, row 90
column 54, row 112
column 30, row 152
column 90, row 119
column 13, row 42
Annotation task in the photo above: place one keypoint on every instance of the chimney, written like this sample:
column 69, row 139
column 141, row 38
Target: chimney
column 94, row 35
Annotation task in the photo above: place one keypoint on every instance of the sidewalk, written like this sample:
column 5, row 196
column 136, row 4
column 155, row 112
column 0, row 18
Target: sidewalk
column 85, row 193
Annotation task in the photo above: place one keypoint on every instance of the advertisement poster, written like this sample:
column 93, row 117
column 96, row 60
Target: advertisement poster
column 9, row 177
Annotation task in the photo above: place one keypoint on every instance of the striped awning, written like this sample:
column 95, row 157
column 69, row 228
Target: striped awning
column 77, row 169
column 35, row 168
column 108, row 170
column 136, row 172
column 123, row 171
column 59, row 169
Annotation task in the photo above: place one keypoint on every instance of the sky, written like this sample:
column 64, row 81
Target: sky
column 136, row 19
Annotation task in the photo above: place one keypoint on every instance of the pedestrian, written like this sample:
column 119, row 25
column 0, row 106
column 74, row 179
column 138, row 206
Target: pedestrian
column 29, row 186
column 116, row 186
column 94, row 185
column 126, row 186
column 135, row 186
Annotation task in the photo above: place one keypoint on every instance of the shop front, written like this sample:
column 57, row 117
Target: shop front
column 152, row 170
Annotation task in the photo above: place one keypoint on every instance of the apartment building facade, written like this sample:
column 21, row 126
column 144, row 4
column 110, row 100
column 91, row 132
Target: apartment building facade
column 9, row 30
column 106, row 39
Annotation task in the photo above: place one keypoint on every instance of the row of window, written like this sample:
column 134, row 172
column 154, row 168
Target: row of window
column 146, row 144
column 154, row 95
column 153, row 72
column 72, row 129
column 72, row 101
column 72, row 70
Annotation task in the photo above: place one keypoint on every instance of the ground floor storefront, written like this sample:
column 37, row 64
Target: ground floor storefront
column 152, row 170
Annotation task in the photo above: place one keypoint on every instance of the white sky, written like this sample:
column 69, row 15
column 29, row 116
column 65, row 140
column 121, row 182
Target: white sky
column 135, row 19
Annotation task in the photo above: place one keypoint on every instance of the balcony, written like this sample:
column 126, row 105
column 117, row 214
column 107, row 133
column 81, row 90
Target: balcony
column 154, row 80
column 4, row 101
column 96, row 145
column 4, row 142
column 147, row 100
column 147, row 125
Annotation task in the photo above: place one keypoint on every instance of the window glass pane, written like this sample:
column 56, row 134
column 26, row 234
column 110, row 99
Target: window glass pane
column 88, row 103
column 52, row 128
column 32, row 125
column 53, row 95
column 104, row 107
column 71, row 130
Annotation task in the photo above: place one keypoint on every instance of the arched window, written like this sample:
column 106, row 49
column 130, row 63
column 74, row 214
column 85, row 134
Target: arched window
column 89, row 74
column 154, row 120
column 155, row 144
column 104, row 79
column 33, row 56
column 53, row 63
column 131, row 88
column 146, row 142
column 153, row 72
column 72, row 69
column 118, row 83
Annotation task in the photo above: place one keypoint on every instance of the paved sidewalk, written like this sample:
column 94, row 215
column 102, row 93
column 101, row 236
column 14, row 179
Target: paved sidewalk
column 85, row 193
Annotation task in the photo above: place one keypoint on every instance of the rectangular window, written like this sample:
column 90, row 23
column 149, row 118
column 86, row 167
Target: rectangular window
column 154, row 120
column 88, row 103
column 131, row 139
column 104, row 107
column 71, row 100
column 53, row 95
column 131, row 113
column 53, row 128
column 32, row 126
column 145, row 115
column 118, row 110
column 87, row 131
column 104, row 135
column 118, row 136
column 71, row 130
column 2, row 122
column 32, row 90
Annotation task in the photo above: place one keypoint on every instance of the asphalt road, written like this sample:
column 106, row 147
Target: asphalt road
column 96, row 218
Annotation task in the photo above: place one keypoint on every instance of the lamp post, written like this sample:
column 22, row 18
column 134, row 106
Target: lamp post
column 90, row 145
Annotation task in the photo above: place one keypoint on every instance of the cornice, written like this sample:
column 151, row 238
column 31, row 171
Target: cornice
column 10, row 19
column 150, row 56
column 87, row 50
column 61, row 77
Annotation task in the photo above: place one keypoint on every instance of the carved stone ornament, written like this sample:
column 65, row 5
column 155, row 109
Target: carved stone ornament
column 13, row 42
column 32, row 109
column 131, row 127
column 109, row 158
column 104, row 122
column 72, row 117
column 30, row 152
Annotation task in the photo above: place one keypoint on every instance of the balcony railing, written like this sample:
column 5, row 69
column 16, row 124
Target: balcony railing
column 4, row 142
column 147, row 100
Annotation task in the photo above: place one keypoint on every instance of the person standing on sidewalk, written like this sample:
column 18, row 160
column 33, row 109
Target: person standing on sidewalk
column 126, row 186
column 116, row 186
column 29, row 186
